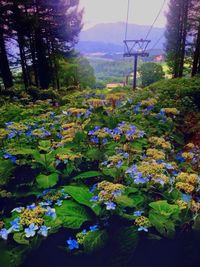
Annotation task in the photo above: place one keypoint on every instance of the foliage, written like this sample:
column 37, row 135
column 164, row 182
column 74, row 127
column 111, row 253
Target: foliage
column 150, row 73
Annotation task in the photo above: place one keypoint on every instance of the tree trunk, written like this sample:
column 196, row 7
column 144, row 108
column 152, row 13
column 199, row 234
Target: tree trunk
column 196, row 54
column 4, row 64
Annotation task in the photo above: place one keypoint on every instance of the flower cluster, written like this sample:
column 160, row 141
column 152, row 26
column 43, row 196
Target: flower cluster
column 107, row 194
column 186, row 182
column 143, row 223
column 159, row 142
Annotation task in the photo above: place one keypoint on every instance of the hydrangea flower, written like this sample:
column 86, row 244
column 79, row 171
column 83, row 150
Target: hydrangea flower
column 4, row 233
column 15, row 226
column 51, row 212
column 143, row 228
column 138, row 213
column 72, row 244
column 94, row 228
column 110, row 205
column 186, row 198
column 59, row 202
column 31, row 207
column 18, row 209
column 43, row 230
column 10, row 157
column 31, row 230
column 94, row 198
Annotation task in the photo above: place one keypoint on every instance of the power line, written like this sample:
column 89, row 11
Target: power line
column 127, row 19
column 157, row 42
column 155, row 19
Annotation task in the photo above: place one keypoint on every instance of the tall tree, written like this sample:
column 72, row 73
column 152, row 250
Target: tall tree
column 5, row 71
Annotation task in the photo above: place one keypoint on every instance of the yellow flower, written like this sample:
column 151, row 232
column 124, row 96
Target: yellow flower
column 32, row 216
column 155, row 154
column 96, row 103
column 171, row 111
column 188, row 155
column 187, row 188
column 107, row 190
column 159, row 141
column 149, row 102
column 187, row 178
column 182, row 204
column 190, row 145
column 142, row 221
column 195, row 207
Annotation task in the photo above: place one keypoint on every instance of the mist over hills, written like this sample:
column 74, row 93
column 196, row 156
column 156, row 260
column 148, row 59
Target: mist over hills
column 108, row 37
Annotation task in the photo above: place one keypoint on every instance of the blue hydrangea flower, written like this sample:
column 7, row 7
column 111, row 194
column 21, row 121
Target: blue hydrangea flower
column 51, row 212
column 143, row 228
column 31, row 230
column 18, row 209
column 10, row 157
column 15, row 224
column 31, row 207
column 94, row 198
column 59, row 202
column 186, row 198
column 43, row 230
column 94, row 228
column 4, row 233
column 138, row 213
column 110, row 205
column 72, row 244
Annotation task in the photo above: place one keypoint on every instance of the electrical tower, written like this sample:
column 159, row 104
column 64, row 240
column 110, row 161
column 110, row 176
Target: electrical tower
column 136, row 48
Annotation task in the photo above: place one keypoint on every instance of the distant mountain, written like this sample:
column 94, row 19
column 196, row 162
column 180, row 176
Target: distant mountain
column 108, row 37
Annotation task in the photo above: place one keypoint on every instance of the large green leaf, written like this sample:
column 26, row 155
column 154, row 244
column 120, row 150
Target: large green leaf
column 82, row 195
column 94, row 240
column 47, row 181
column 20, row 239
column 165, row 209
column 6, row 168
column 72, row 215
column 163, row 225
column 126, row 240
column 86, row 175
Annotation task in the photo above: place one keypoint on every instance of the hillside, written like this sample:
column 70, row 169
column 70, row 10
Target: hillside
column 108, row 37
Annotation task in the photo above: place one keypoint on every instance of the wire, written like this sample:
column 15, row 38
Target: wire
column 157, row 42
column 127, row 20
column 148, row 33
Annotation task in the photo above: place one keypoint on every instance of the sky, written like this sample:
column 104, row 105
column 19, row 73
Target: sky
column 142, row 12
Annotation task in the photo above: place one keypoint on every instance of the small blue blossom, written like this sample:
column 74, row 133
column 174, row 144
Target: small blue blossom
column 31, row 230
column 138, row 213
column 72, row 244
column 186, row 198
column 110, row 205
column 94, row 198
column 4, row 233
column 43, row 230
column 31, row 207
column 143, row 228
column 59, row 203
column 94, row 228
column 15, row 224
column 51, row 212
column 18, row 209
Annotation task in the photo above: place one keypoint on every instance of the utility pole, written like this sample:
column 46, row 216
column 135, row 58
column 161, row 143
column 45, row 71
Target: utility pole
column 136, row 48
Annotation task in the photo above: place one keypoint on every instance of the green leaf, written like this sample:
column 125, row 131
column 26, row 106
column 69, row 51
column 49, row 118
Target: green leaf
column 125, row 201
column 165, row 209
column 47, row 181
column 20, row 239
column 6, row 168
column 45, row 145
column 126, row 241
column 82, row 195
column 164, row 226
column 94, row 154
column 72, row 215
column 89, row 174
column 94, row 241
